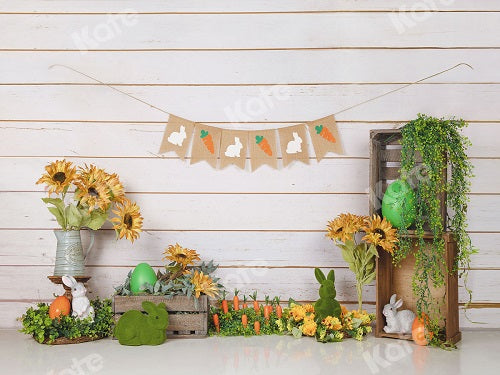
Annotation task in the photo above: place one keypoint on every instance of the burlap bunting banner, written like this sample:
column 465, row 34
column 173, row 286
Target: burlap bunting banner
column 177, row 136
column 234, row 147
column 263, row 148
column 206, row 144
column 324, row 136
column 293, row 144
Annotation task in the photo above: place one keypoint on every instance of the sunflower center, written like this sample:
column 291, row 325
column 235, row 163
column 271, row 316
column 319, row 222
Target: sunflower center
column 93, row 192
column 128, row 221
column 182, row 256
column 59, row 177
column 381, row 232
column 339, row 230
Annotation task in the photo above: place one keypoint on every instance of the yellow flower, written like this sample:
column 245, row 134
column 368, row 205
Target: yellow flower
column 92, row 189
column 204, row 284
column 347, row 323
column 115, row 188
column 177, row 253
column 380, row 232
column 368, row 329
column 60, row 174
column 298, row 313
column 343, row 227
column 309, row 318
column 338, row 335
column 128, row 224
column 344, row 310
column 332, row 323
column 309, row 328
column 309, row 308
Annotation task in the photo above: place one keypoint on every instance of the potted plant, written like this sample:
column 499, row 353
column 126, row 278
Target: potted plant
column 94, row 197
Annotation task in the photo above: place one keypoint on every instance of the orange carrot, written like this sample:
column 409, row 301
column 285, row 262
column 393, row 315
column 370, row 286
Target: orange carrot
column 216, row 322
column 268, row 309
column 256, row 327
column 245, row 305
column 225, row 308
column 244, row 320
column 236, row 301
column 208, row 141
column 279, row 309
column 325, row 133
column 264, row 144
column 256, row 306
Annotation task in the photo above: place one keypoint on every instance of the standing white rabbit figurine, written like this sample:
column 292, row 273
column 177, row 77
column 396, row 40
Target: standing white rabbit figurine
column 295, row 146
column 80, row 305
column 397, row 321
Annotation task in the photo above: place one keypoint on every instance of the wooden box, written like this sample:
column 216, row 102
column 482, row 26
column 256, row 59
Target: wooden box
column 385, row 162
column 185, row 319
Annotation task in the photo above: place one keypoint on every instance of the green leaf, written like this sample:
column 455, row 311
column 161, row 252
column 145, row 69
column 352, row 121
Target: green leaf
column 296, row 332
column 58, row 202
column 59, row 217
column 97, row 219
column 73, row 217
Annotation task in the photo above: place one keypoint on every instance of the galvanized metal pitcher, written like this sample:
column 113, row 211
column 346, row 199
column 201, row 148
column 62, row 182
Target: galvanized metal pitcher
column 70, row 258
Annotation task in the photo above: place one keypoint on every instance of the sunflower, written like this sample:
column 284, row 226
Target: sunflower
column 92, row 189
column 344, row 226
column 380, row 232
column 128, row 224
column 115, row 188
column 60, row 174
column 204, row 284
column 177, row 253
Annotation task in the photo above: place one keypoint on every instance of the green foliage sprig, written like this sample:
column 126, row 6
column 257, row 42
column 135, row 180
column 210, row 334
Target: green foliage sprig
column 441, row 145
column 37, row 323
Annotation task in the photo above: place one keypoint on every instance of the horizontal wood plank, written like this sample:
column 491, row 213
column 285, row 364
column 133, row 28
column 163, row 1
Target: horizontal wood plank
column 175, row 304
column 225, row 31
column 250, row 67
column 249, row 103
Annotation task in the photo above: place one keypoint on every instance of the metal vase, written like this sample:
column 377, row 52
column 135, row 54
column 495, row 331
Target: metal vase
column 70, row 257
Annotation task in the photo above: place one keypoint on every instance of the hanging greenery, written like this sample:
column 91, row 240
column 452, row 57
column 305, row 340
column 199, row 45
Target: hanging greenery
column 442, row 147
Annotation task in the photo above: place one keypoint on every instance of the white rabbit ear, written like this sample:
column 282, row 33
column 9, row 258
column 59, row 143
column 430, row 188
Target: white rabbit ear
column 393, row 299
column 69, row 281
column 398, row 304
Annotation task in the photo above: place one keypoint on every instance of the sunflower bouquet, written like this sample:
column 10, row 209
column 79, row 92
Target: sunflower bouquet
column 181, row 276
column 300, row 321
column 360, row 255
column 96, row 195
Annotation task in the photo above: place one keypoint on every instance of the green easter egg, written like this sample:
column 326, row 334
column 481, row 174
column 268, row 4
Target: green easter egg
column 143, row 273
column 399, row 195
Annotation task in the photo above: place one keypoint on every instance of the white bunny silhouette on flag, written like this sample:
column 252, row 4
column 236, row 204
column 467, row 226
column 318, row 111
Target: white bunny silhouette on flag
column 294, row 147
column 233, row 151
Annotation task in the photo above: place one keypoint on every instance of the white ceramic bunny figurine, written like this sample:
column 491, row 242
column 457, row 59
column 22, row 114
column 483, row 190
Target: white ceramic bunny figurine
column 80, row 305
column 397, row 321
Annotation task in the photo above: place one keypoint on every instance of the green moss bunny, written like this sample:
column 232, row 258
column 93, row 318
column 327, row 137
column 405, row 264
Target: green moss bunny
column 327, row 305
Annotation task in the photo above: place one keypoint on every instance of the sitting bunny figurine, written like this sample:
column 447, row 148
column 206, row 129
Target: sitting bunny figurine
column 397, row 321
column 327, row 305
column 135, row 328
column 80, row 305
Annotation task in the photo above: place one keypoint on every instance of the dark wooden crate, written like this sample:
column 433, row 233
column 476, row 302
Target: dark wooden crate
column 385, row 162
column 185, row 319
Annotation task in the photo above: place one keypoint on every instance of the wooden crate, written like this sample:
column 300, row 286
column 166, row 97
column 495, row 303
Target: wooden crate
column 385, row 162
column 185, row 319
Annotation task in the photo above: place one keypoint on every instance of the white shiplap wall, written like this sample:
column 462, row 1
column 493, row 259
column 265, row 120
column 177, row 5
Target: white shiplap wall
column 193, row 58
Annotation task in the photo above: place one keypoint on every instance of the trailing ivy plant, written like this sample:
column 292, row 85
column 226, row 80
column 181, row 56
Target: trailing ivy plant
column 441, row 146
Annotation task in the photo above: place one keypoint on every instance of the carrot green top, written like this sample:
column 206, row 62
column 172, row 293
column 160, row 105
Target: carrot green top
column 319, row 128
column 258, row 138
column 203, row 133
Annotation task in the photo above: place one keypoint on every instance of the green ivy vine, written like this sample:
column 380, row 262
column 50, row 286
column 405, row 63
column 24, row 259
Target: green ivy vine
column 441, row 146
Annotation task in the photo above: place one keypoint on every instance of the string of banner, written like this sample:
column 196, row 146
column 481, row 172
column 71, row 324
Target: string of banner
column 223, row 147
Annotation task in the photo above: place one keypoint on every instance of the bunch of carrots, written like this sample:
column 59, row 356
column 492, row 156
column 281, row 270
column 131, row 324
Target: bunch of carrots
column 267, row 309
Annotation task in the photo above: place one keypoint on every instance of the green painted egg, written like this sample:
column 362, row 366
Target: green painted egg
column 399, row 195
column 143, row 273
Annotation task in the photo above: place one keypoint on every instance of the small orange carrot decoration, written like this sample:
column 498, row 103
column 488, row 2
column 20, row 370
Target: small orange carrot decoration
column 225, row 308
column 325, row 133
column 236, row 300
column 256, row 327
column 256, row 306
column 208, row 141
column 244, row 320
column 264, row 145
column 268, row 309
column 216, row 322
column 279, row 309
column 245, row 305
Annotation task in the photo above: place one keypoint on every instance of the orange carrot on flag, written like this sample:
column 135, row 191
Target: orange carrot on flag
column 264, row 144
column 207, row 140
column 325, row 133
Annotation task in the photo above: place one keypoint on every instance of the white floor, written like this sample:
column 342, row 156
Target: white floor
column 478, row 353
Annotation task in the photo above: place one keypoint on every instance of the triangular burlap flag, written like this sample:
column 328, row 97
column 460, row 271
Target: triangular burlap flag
column 324, row 136
column 234, row 147
column 177, row 136
column 263, row 148
column 293, row 144
column 206, row 144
